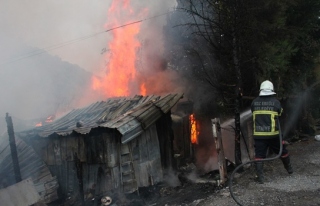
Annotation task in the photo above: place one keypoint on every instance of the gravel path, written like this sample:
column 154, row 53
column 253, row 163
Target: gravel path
column 280, row 189
column 300, row 188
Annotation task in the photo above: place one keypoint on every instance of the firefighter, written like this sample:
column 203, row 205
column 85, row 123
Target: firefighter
column 266, row 110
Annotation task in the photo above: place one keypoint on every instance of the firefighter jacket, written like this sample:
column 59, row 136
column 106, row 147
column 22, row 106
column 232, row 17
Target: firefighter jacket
column 265, row 111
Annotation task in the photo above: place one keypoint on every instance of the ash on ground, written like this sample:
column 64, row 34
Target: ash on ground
column 191, row 188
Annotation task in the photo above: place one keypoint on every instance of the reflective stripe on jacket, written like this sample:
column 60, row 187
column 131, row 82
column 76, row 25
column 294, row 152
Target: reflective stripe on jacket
column 265, row 112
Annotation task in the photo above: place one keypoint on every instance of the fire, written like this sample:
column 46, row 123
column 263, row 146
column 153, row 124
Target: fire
column 121, row 72
column 47, row 120
column 143, row 89
column 194, row 129
column 50, row 118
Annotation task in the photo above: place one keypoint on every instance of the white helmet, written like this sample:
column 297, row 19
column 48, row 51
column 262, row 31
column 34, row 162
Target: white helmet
column 266, row 88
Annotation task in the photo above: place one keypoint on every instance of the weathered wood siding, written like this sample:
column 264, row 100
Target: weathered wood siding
column 182, row 139
column 98, row 150
column 147, row 157
column 99, row 154
column 165, row 136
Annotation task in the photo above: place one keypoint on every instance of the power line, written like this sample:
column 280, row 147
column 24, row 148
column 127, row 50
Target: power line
column 53, row 47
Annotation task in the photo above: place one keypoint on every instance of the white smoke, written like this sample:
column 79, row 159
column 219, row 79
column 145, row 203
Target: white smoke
column 38, row 36
column 43, row 24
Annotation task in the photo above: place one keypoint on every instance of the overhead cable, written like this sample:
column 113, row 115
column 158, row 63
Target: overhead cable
column 56, row 46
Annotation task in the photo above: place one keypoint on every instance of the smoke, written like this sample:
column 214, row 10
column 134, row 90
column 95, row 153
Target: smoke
column 171, row 178
column 159, row 78
column 42, row 24
column 206, row 153
column 40, row 73
column 47, row 23
column 47, row 45
column 137, row 43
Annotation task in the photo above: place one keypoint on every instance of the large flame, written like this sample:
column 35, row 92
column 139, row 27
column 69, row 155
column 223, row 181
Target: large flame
column 121, row 71
column 194, row 129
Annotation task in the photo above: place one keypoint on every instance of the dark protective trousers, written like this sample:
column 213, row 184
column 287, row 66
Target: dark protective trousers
column 262, row 145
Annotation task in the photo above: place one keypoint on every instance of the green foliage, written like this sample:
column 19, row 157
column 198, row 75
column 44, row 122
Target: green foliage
column 304, row 25
column 239, row 43
column 288, row 57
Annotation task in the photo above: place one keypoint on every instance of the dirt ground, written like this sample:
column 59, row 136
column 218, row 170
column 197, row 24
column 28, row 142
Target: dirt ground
column 300, row 188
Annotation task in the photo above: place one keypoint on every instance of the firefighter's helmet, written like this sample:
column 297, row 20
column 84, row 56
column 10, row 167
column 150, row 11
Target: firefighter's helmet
column 266, row 88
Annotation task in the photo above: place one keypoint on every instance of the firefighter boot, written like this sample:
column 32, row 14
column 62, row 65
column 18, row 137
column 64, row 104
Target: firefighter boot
column 287, row 164
column 259, row 171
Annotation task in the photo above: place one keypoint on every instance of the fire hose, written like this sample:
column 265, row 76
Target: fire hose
column 253, row 161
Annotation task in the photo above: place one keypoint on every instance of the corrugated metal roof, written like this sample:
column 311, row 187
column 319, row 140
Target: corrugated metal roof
column 130, row 116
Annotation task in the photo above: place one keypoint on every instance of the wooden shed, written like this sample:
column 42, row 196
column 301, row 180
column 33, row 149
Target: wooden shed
column 110, row 146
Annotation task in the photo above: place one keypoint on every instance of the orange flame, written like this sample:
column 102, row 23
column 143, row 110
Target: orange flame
column 194, row 129
column 121, row 73
column 143, row 89
column 50, row 118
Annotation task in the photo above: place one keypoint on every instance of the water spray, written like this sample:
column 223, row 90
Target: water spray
column 299, row 104
column 293, row 118
column 253, row 161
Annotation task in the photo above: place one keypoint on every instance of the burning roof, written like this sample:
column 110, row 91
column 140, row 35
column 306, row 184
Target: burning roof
column 129, row 116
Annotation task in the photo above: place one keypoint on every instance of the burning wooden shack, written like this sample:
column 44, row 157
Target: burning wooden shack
column 110, row 146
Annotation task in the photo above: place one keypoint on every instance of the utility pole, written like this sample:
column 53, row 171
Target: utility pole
column 13, row 147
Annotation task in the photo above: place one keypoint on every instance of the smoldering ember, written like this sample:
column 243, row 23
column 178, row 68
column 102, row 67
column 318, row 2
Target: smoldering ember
column 159, row 103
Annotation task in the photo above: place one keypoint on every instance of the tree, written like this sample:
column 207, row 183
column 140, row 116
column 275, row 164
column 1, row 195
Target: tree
column 234, row 45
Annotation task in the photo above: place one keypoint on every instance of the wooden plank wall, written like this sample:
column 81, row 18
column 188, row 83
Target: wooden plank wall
column 99, row 155
column 147, row 157
column 165, row 136
column 59, row 149
column 155, row 167
column 187, row 148
column 182, row 140
column 98, row 152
